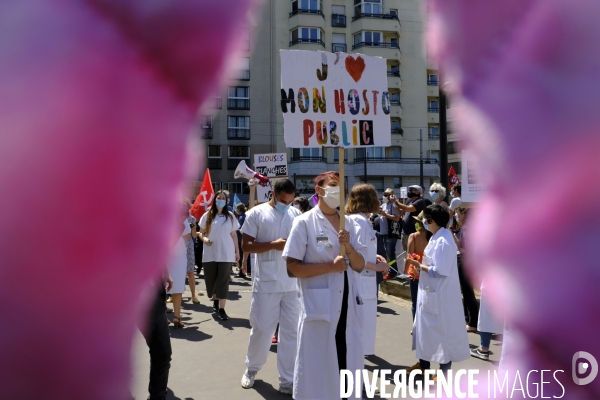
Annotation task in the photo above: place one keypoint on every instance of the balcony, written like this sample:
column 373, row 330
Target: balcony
column 311, row 41
column 309, row 159
column 395, row 102
column 434, row 136
column 238, row 133
column 396, row 160
column 307, row 11
column 335, row 47
column 398, row 131
column 206, row 132
column 232, row 163
column 215, row 163
column 393, row 73
column 433, row 109
column 238, row 104
column 390, row 45
column 380, row 16
column 433, row 82
column 338, row 20
column 243, row 75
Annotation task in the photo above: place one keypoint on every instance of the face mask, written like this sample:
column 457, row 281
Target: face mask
column 281, row 207
column 221, row 203
column 425, row 225
column 385, row 200
column 296, row 206
column 451, row 194
column 434, row 195
column 332, row 196
column 417, row 226
column 411, row 194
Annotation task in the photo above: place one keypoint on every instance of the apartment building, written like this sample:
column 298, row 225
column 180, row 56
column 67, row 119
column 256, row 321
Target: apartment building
column 245, row 118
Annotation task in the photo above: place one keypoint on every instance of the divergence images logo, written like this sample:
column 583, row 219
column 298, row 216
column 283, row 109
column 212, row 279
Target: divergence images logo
column 582, row 363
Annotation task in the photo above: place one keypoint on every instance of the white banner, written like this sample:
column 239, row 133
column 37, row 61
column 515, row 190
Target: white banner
column 334, row 99
column 472, row 187
column 271, row 165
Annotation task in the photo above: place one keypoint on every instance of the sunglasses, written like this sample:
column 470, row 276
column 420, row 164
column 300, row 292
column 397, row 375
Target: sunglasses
column 435, row 191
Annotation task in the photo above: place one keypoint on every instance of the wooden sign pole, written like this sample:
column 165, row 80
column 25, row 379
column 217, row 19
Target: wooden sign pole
column 342, row 196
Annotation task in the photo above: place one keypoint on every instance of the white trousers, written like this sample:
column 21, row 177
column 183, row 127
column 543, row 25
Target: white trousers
column 266, row 310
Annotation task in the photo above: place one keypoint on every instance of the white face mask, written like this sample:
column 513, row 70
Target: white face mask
column 425, row 225
column 332, row 196
column 296, row 206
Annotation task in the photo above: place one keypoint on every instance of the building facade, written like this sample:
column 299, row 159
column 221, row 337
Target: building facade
column 245, row 119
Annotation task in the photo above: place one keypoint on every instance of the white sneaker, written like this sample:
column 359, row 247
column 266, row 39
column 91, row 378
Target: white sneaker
column 287, row 388
column 248, row 379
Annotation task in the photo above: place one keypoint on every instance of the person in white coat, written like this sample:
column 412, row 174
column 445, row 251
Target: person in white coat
column 329, row 333
column 274, row 293
column 439, row 333
column 363, row 201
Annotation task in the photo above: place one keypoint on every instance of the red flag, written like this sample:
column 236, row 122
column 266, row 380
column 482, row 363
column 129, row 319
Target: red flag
column 205, row 197
column 453, row 177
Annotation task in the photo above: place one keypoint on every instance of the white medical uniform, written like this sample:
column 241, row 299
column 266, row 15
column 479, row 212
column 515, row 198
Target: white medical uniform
column 177, row 264
column 439, row 333
column 368, row 283
column 487, row 322
column 274, row 293
column 316, row 374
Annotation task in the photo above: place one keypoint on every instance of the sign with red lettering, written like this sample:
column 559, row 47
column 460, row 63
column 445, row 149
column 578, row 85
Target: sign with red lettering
column 334, row 100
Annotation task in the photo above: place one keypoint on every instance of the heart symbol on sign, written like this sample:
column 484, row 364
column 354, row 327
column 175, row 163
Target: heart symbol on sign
column 355, row 67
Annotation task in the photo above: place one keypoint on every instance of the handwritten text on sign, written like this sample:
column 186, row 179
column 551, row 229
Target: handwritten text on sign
column 334, row 99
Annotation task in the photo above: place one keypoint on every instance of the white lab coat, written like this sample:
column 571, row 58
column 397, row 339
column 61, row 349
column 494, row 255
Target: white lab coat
column 274, row 293
column 439, row 333
column 368, row 284
column 487, row 321
column 316, row 374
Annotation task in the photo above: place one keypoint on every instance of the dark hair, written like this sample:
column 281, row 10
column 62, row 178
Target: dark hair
column 457, row 188
column 214, row 210
column 363, row 198
column 321, row 178
column 284, row 185
column 303, row 203
column 438, row 214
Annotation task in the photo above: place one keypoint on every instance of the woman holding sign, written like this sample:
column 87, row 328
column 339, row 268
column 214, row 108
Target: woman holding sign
column 329, row 334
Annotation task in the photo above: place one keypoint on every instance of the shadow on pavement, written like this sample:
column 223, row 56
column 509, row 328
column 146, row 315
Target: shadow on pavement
column 380, row 363
column 385, row 310
column 233, row 322
column 242, row 283
column 190, row 332
column 268, row 391
column 171, row 396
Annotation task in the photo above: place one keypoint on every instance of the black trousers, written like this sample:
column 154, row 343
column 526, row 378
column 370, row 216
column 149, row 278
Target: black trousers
column 159, row 343
column 470, row 305
column 340, row 332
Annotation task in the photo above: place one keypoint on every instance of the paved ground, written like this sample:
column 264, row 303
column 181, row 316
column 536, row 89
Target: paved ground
column 209, row 354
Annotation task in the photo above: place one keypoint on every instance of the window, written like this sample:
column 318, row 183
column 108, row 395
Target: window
column 306, row 35
column 238, row 127
column 395, row 152
column 372, row 152
column 432, row 80
column 454, row 147
column 312, row 154
column 243, row 69
column 397, row 126
column 367, row 7
column 336, row 154
column 433, row 106
column 435, row 155
column 377, row 182
column 306, row 5
column 394, row 43
column 214, row 151
column 233, row 187
column 218, row 102
column 238, row 152
column 397, row 183
column 214, row 157
column 394, row 70
column 216, row 186
column 395, row 98
column 238, row 98
column 393, row 12
column 206, row 127
column 338, row 42
column 368, row 38
column 434, row 132
column 246, row 39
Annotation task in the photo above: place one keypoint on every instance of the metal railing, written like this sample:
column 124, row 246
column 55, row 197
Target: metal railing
column 238, row 133
column 395, row 102
column 381, row 16
column 309, row 158
column 238, row 104
column 244, row 75
column 232, row 163
column 215, row 163
column 433, row 82
column 433, row 136
column 338, row 20
column 391, row 45
column 307, row 11
column 395, row 160
column 335, row 47
column 433, row 109
column 300, row 40
column 398, row 131
column 394, row 73
column 206, row 133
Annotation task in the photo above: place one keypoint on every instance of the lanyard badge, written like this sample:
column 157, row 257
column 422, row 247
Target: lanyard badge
column 323, row 241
